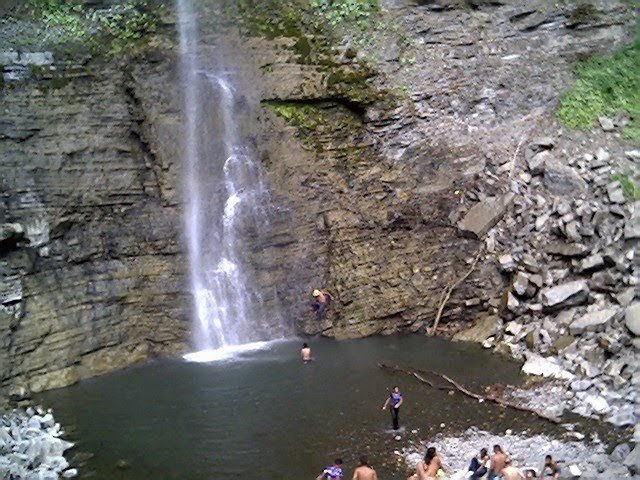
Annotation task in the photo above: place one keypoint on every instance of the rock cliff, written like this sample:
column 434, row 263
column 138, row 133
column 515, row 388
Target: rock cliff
column 395, row 163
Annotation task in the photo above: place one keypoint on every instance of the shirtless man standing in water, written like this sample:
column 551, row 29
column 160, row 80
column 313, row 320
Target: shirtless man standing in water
column 364, row 471
column 305, row 353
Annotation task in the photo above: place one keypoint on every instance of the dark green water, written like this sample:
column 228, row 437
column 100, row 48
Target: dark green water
column 265, row 415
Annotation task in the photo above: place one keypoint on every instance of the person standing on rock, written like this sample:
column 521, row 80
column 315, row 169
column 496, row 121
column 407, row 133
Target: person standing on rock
column 394, row 401
column 552, row 467
column 332, row 472
column 364, row 471
column 305, row 353
column 321, row 300
column 498, row 462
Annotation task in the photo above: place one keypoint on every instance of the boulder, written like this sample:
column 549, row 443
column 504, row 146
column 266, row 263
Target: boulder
column 632, row 318
column 507, row 264
column 560, row 179
column 632, row 462
column 536, row 162
column 598, row 404
column 484, row 215
column 567, row 294
column 606, row 124
column 520, row 283
column 591, row 263
column 545, row 367
column 484, row 328
column 564, row 249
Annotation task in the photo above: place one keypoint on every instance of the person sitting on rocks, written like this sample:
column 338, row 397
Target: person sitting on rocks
column 509, row 472
column 478, row 466
column 552, row 467
column 321, row 300
column 498, row 462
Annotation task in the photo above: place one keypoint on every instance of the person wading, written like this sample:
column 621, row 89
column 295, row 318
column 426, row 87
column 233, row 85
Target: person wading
column 332, row 472
column 305, row 353
column 364, row 471
column 394, row 401
column 321, row 300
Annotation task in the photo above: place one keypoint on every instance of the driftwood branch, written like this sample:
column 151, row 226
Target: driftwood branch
column 416, row 375
column 448, row 290
column 491, row 398
column 512, row 169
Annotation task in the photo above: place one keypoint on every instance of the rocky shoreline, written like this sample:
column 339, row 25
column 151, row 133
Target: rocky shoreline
column 31, row 447
column 585, row 459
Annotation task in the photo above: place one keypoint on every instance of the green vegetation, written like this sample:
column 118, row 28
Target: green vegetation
column 306, row 117
column 630, row 189
column 115, row 30
column 605, row 86
column 273, row 18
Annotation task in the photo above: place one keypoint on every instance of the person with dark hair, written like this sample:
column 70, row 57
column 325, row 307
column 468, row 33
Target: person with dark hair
column 554, row 469
column 530, row 473
column 364, row 471
column 498, row 462
column 394, row 400
column 428, row 468
column 332, row 472
column 478, row 465
column 305, row 353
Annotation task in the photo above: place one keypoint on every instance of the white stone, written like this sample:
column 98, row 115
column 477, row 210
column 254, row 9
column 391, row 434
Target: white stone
column 545, row 367
column 592, row 321
column 632, row 318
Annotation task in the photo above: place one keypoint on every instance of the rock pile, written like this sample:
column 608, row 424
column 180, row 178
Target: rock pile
column 566, row 252
column 31, row 447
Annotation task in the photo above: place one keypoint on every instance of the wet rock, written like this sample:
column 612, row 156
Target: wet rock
column 560, row 179
column 483, row 329
column 484, row 215
column 568, row 294
column 632, row 318
column 566, row 249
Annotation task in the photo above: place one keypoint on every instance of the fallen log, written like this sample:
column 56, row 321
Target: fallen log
column 415, row 375
column 491, row 398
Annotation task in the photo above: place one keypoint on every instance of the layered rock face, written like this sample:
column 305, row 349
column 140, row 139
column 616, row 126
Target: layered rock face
column 390, row 167
column 92, row 265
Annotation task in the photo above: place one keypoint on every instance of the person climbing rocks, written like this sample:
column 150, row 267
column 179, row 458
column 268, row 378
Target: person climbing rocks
column 364, row 471
column 321, row 300
column 394, row 400
column 332, row 472
column 552, row 466
column 305, row 353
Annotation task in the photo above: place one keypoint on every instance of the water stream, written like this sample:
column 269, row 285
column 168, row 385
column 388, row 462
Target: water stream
column 227, row 201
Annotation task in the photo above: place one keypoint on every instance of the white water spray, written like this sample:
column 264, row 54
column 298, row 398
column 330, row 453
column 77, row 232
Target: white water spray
column 226, row 202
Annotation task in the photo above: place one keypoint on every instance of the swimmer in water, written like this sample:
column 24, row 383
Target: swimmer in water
column 364, row 471
column 305, row 353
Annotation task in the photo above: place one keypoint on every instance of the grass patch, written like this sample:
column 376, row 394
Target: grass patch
column 630, row 189
column 605, row 86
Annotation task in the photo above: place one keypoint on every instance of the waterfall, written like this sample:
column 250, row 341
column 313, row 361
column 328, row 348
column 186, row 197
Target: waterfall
column 227, row 201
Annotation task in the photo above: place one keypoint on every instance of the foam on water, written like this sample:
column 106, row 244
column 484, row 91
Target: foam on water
column 224, row 353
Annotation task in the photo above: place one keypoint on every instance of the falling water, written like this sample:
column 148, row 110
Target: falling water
column 227, row 202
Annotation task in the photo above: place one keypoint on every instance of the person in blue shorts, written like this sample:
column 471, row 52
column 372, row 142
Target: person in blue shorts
column 394, row 401
column 332, row 472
